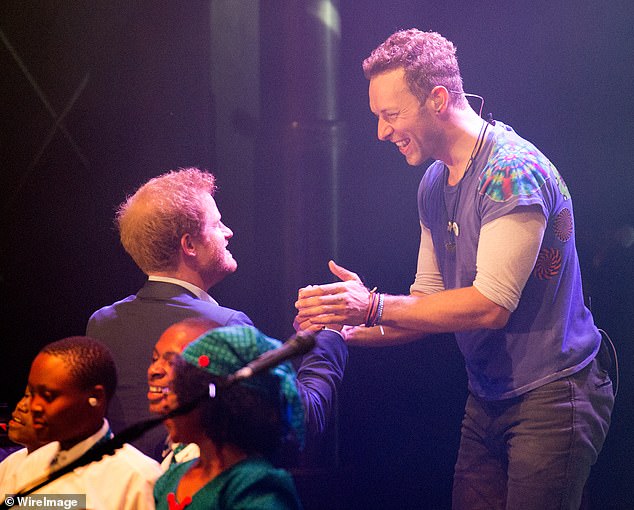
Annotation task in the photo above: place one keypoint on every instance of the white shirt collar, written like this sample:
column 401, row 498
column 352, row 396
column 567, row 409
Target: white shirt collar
column 195, row 290
column 180, row 453
column 63, row 457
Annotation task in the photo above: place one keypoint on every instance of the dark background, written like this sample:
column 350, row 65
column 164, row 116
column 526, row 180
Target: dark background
column 97, row 97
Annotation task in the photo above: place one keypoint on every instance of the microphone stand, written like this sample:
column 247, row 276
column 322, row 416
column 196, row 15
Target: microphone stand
column 300, row 343
column 108, row 447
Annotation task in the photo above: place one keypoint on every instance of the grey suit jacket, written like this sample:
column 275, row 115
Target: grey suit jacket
column 132, row 326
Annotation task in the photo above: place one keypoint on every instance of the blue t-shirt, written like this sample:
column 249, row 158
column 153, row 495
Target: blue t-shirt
column 551, row 334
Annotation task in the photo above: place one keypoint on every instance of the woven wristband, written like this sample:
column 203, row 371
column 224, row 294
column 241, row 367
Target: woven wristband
column 372, row 308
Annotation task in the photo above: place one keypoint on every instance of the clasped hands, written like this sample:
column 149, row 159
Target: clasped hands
column 332, row 305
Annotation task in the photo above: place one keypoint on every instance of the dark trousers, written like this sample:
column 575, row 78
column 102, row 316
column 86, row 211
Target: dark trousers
column 534, row 451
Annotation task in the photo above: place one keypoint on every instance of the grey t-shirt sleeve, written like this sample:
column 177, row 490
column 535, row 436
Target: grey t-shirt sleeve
column 428, row 278
column 507, row 253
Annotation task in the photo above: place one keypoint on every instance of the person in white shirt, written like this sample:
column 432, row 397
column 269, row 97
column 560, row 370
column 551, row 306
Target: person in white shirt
column 160, row 374
column 20, row 432
column 71, row 383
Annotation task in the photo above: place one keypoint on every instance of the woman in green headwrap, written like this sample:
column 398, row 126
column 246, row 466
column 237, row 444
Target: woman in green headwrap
column 238, row 428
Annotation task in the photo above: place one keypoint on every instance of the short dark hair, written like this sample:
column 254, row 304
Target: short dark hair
column 240, row 415
column 90, row 362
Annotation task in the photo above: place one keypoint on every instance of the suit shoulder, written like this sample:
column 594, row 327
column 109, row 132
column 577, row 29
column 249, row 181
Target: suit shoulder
column 223, row 315
column 111, row 310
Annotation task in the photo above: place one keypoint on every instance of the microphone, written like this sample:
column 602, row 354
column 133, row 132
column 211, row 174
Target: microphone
column 108, row 447
column 298, row 344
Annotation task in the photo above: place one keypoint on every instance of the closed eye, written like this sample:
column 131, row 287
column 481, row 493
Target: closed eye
column 48, row 396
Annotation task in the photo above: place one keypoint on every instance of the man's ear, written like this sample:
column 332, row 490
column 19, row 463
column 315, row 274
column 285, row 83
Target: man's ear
column 187, row 245
column 97, row 396
column 440, row 98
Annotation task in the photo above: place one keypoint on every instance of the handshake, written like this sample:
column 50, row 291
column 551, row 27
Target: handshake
column 343, row 306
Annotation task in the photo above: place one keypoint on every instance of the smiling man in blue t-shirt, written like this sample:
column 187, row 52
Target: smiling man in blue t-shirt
column 498, row 267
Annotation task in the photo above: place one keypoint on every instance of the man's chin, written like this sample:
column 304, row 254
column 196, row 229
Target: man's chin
column 231, row 266
column 416, row 160
column 44, row 435
column 159, row 408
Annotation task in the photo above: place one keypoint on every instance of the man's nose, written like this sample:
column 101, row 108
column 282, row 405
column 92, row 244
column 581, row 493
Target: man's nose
column 227, row 231
column 155, row 371
column 384, row 130
column 35, row 405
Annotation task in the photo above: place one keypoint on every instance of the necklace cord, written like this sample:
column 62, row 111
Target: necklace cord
column 452, row 225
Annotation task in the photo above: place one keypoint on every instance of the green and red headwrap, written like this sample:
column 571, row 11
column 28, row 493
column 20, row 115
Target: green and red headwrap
column 223, row 351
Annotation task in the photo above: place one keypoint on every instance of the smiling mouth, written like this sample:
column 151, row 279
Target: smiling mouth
column 156, row 393
column 16, row 419
column 159, row 389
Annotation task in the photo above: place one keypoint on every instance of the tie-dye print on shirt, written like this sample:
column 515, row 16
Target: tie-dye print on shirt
column 514, row 170
column 551, row 333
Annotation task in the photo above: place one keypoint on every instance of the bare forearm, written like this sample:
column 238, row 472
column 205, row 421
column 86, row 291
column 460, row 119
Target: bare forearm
column 380, row 336
column 350, row 303
column 442, row 312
